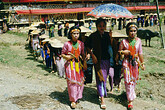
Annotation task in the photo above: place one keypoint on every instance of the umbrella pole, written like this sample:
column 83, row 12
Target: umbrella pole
column 161, row 35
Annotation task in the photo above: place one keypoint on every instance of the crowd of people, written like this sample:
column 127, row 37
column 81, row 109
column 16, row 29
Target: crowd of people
column 142, row 21
column 147, row 20
column 48, row 48
column 75, row 59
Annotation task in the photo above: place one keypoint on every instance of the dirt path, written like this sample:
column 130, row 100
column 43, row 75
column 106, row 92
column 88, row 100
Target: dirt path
column 25, row 89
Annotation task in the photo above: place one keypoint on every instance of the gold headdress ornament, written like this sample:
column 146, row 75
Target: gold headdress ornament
column 133, row 25
column 75, row 30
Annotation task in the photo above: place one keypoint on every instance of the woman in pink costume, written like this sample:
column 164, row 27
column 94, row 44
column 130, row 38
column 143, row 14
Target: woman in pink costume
column 131, row 50
column 73, row 52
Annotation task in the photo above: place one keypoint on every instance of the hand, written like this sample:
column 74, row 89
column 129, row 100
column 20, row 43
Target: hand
column 87, row 57
column 143, row 67
column 67, row 57
column 125, row 52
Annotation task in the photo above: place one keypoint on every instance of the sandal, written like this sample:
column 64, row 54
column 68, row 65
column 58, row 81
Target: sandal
column 73, row 105
column 78, row 101
column 103, row 106
column 118, row 89
column 130, row 106
column 52, row 71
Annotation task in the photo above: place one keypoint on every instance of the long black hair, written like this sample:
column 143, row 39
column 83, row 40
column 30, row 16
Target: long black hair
column 99, row 20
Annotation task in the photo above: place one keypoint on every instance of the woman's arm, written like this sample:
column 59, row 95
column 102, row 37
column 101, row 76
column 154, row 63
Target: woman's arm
column 122, row 51
column 54, row 59
column 67, row 57
column 142, row 61
column 140, row 54
column 94, row 59
column 84, row 62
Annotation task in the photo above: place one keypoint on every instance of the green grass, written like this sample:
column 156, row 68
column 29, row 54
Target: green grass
column 12, row 56
column 4, row 44
column 17, row 33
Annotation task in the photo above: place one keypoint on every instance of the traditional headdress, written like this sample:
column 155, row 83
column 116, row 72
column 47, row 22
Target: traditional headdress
column 75, row 30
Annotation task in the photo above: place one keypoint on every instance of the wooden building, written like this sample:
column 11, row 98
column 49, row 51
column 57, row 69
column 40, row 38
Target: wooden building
column 21, row 11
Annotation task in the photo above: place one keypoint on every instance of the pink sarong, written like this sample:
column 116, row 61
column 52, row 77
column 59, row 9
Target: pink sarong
column 131, row 73
column 75, row 91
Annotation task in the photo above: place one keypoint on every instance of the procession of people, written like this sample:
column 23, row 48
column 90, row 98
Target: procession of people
column 75, row 59
column 88, row 52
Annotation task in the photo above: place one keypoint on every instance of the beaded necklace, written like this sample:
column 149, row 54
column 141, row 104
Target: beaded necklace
column 132, row 42
column 75, row 45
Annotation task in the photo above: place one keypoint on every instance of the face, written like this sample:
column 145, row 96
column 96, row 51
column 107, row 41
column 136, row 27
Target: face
column 101, row 27
column 132, row 32
column 75, row 35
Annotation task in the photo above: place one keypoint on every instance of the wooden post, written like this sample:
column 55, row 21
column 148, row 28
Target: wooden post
column 83, row 15
column 161, row 35
column 48, row 17
column 29, row 14
column 76, row 16
column 40, row 18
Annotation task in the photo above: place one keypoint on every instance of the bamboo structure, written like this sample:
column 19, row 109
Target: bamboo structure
column 161, row 35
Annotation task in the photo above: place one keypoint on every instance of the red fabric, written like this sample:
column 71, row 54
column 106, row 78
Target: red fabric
column 144, row 8
column 26, row 1
column 53, row 11
column 77, row 10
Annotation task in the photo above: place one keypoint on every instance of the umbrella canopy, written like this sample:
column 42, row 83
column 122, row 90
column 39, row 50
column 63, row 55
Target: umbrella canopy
column 50, row 23
column 35, row 32
column 59, row 22
column 35, row 24
column 32, row 28
column 118, row 35
column 44, row 36
column 56, row 43
column 110, row 10
column 85, row 30
column 46, row 40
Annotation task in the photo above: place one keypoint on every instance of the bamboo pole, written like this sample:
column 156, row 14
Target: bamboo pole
column 29, row 14
column 40, row 18
column 83, row 15
column 161, row 35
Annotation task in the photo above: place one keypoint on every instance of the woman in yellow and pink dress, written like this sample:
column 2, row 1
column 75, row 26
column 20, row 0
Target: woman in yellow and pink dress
column 73, row 51
column 131, row 49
